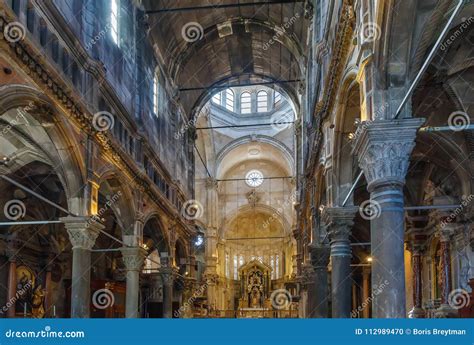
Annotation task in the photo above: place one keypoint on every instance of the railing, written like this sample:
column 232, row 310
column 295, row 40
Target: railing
column 247, row 314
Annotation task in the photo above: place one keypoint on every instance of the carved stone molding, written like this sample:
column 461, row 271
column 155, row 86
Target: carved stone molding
column 167, row 275
column 133, row 258
column 82, row 231
column 339, row 221
column 211, row 278
column 383, row 148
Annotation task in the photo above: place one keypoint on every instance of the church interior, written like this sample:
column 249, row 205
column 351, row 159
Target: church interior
column 236, row 159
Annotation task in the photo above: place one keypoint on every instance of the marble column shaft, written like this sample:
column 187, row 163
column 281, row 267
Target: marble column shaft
column 167, row 276
column 383, row 148
column 133, row 259
column 339, row 221
column 319, row 296
column 83, row 232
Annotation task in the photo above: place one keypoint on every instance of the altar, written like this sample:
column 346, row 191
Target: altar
column 255, row 285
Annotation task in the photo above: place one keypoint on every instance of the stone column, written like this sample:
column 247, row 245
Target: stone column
column 167, row 276
column 445, row 233
column 318, row 306
column 383, row 148
column 11, row 295
column 339, row 221
column 133, row 259
column 83, row 232
column 416, row 245
column 47, row 287
column 366, row 291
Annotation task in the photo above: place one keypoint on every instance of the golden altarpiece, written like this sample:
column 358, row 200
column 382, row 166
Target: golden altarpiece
column 255, row 286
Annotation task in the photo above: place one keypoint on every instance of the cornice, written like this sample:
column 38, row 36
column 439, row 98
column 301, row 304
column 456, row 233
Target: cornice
column 35, row 65
column 324, row 107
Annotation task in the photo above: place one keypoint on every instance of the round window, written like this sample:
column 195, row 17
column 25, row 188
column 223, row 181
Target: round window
column 254, row 178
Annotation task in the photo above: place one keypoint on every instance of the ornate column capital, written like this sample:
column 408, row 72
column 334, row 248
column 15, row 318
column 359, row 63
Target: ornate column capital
column 82, row 231
column 211, row 278
column 211, row 183
column 167, row 275
column 133, row 258
column 383, row 148
column 339, row 221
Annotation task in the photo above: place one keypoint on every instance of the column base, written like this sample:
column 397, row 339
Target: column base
column 418, row 313
column 445, row 311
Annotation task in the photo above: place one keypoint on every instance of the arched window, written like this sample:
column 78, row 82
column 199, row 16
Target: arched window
column 227, row 265
column 236, row 268
column 216, row 99
column 276, row 98
column 156, row 93
column 245, row 103
column 114, row 21
column 229, row 99
column 262, row 102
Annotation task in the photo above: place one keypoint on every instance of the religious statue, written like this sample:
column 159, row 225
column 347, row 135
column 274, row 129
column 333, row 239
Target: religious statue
column 37, row 302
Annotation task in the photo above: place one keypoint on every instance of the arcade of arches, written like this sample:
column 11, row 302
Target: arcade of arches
column 238, row 159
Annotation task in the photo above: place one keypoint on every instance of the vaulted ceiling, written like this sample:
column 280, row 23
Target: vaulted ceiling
column 207, row 45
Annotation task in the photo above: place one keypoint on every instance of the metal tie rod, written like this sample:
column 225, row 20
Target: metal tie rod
column 220, row 6
column 429, row 57
column 415, row 82
column 28, row 190
column 34, row 222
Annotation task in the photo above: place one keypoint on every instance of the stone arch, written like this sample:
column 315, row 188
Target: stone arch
column 56, row 137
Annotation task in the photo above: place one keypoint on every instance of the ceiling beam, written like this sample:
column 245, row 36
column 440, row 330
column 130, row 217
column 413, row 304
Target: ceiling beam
column 222, row 6
column 239, row 85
